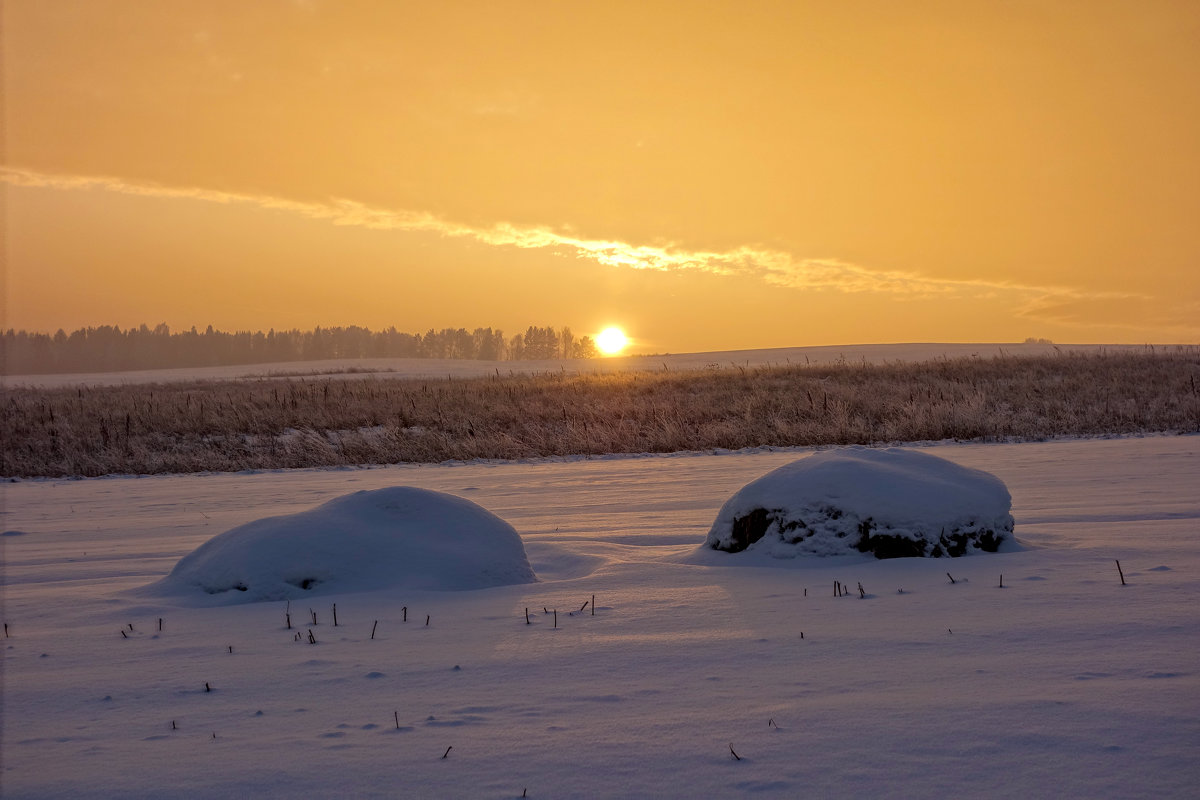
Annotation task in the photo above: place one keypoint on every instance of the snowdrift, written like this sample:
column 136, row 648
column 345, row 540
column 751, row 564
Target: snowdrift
column 890, row 503
column 393, row 537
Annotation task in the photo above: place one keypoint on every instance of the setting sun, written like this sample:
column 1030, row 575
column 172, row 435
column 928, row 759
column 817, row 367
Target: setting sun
column 611, row 341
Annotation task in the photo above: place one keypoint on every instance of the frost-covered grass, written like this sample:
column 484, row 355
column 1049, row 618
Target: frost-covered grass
column 264, row 424
column 1063, row 683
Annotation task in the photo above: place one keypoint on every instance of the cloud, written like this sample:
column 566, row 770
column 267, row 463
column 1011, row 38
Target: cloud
column 1059, row 304
column 1133, row 313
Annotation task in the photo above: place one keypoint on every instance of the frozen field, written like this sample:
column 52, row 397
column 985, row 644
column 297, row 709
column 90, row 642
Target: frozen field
column 1063, row 682
column 463, row 368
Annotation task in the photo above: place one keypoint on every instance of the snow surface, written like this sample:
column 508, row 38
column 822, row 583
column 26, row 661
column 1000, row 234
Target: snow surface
column 821, row 504
column 345, row 368
column 399, row 536
column 1064, row 682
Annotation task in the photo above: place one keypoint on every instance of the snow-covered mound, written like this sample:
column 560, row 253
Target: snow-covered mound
column 890, row 503
column 394, row 537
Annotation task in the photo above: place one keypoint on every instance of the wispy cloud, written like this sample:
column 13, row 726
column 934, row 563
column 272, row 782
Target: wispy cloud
column 774, row 267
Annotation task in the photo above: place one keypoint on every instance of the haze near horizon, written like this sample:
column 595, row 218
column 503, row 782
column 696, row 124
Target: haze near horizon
column 702, row 177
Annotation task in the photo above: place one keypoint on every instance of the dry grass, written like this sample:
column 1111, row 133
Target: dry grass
column 275, row 423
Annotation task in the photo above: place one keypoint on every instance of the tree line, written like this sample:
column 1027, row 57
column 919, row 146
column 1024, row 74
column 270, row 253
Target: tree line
column 107, row 348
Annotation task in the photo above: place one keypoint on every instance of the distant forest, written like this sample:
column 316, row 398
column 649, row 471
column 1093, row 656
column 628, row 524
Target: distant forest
column 109, row 349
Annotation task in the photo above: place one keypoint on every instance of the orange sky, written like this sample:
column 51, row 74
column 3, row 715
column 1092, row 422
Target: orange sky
column 706, row 175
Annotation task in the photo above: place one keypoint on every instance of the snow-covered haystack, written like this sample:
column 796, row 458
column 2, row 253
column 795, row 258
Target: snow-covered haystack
column 394, row 537
column 891, row 503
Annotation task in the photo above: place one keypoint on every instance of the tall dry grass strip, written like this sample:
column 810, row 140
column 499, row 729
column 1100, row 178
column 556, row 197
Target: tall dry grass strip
column 279, row 423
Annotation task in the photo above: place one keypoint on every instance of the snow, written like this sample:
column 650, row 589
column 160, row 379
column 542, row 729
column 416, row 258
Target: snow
column 399, row 536
column 1063, row 681
column 888, row 502
column 365, row 368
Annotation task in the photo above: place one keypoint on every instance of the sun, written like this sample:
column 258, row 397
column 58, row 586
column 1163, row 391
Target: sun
column 611, row 341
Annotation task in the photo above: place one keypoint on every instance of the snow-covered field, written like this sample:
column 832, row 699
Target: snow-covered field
column 1064, row 682
column 464, row 368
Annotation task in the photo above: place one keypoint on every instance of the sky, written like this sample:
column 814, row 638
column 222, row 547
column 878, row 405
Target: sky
column 706, row 176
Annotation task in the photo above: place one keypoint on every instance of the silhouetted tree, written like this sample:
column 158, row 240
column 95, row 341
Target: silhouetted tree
column 108, row 347
column 586, row 348
column 516, row 347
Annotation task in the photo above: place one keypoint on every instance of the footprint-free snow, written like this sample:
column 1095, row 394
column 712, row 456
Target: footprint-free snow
column 394, row 537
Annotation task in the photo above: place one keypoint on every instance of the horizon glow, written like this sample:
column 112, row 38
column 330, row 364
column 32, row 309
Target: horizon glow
column 825, row 176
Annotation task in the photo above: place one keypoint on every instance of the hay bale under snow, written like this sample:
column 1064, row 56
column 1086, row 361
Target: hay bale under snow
column 394, row 537
column 890, row 503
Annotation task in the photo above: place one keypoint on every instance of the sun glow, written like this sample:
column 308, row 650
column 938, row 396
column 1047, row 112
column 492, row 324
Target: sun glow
column 611, row 341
